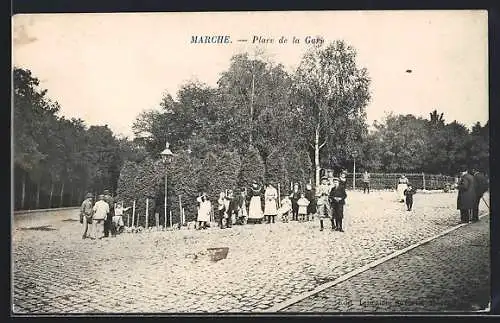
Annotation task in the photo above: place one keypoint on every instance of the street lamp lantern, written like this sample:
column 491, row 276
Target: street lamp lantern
column 166, row 156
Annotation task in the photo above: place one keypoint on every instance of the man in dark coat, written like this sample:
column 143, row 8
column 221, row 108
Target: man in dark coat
column 108, row 223
column 295, row 196
column 480, row 187
column 466, row 196
column 337, row 200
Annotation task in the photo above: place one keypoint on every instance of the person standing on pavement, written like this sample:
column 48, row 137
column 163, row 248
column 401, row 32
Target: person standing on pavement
column 466, row 196
column 480, row 187
column 295, row 196
column 311, row 208
column 285, row 209
column 270, row 205
column 204, row 209
column 323, row 203
column 409, row 192
column 337, row 198
column 255, row 209
column 108, row 224
column 402, row 185
column 86, row 214
column 343, row 178
column 222, row 209
column 303, row 203
column 101, row 213
column 117, row 219
column 366, row 182
column 232, row 208
column 242, row 207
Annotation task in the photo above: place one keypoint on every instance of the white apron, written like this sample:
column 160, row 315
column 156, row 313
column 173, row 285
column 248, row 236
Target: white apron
column 204, row 211
column 255, row 210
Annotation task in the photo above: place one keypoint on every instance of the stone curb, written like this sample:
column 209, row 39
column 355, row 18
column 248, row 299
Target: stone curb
column 293, row 300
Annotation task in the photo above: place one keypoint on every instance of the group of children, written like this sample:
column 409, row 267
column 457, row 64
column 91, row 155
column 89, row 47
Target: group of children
column 304, row 212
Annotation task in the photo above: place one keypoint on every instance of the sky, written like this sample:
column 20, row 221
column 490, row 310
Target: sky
column 108, row 68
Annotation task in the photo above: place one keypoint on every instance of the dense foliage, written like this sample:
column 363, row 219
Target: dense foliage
column 56, row 160
column 259, row 123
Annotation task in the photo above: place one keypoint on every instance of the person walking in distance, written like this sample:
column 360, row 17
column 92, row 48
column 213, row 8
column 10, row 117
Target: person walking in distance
column 466, row 196
column 337, row 199
column 311, row 208
column 366, row 182
column 409, row 192
column 323, row 203
column 86, row 214
column 101, row 213
column 480, row 187
column 108, row 224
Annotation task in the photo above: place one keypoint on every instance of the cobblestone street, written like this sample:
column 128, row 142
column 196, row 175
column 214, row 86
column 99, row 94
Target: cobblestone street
column 55, row 271
column 450, row 273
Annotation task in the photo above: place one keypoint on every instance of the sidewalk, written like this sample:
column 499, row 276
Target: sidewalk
column 449, row 274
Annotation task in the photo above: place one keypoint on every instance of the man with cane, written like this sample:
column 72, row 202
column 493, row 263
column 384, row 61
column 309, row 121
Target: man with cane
column 480, row 187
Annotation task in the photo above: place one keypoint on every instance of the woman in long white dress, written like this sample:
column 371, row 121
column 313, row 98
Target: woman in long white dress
column 402, row 186
column 204, row 210
column 255, row 209
column 270, row 207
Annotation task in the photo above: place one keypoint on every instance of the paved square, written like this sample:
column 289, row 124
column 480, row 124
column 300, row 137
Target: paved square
column 55, row 271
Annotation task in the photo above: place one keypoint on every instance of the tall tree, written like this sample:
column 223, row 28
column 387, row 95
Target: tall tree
column 332, row 91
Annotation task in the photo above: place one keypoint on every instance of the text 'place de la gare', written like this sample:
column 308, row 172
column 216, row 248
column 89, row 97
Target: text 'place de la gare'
column 226, row 39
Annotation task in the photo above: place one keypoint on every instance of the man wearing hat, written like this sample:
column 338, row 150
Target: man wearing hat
column 101, row 211
column 323, row 203
column 108, row 223
column 337, row 198
column 466, row 196
column 86, row 214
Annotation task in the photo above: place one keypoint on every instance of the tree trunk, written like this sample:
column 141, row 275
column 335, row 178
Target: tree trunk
column 51, row 194
column 62, row 195
column 38, row 194
column 316, row 154
column 23, row 192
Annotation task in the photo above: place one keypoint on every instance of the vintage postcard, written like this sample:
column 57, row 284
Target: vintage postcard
column 303, row 162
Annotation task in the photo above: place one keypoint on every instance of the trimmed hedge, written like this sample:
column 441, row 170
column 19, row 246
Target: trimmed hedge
column 188, row 176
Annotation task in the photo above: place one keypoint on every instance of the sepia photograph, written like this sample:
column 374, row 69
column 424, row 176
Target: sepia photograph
column 285, row 162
